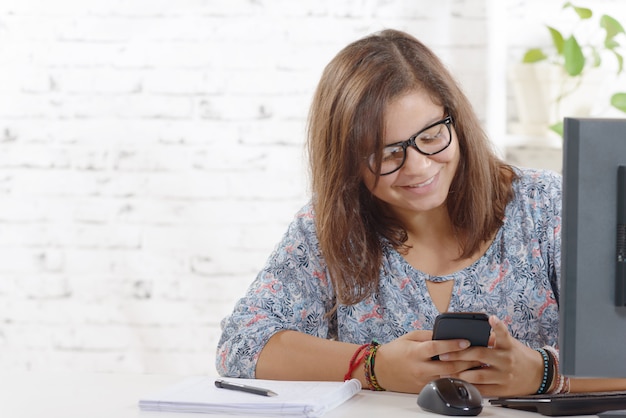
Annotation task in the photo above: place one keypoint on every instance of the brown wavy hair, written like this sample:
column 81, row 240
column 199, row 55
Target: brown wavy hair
column 346, row 125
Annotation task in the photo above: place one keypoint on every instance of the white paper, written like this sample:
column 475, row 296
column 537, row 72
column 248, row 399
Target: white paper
column 298, row 399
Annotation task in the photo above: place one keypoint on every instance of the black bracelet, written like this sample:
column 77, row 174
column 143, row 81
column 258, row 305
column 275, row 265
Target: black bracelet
column 551, row 363
column 545, row 385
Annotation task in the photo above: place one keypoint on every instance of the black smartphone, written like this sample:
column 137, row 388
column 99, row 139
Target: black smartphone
column 471, row 326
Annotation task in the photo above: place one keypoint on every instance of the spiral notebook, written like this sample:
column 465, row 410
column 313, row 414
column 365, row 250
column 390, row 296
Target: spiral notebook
column 294, row 399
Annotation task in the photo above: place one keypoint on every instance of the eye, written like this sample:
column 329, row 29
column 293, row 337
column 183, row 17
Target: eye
column 436, row 133
column 393, row 152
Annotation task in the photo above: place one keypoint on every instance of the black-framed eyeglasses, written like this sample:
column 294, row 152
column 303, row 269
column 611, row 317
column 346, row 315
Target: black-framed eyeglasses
column 429, row 141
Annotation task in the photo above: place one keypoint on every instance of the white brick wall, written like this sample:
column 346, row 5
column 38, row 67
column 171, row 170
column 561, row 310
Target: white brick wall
column 151, row 155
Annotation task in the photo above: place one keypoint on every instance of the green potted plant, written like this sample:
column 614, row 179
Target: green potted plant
column 572, row 57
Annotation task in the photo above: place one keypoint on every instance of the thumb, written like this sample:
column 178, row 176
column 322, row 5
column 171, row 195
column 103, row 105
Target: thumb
column 503, row 338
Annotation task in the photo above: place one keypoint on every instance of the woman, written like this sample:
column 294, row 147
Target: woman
column 412, row 215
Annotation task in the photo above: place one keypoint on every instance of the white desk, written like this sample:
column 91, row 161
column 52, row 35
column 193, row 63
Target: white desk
column 58, row 395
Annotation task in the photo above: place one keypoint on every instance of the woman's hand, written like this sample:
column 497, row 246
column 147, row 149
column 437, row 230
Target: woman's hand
column 406, row 365
column 509, row 367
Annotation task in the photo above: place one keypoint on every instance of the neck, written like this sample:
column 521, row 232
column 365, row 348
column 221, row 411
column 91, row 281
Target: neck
column 431, row 226
column 433, row 242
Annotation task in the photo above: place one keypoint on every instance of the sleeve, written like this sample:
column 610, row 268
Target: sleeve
column 548, row 209
column 553, row 210
column 540, row 195
column 292, row 292
column 553, row 207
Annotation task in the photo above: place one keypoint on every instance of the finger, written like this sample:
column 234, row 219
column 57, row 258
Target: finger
column 502, row 337
column 478, row 355
column 438, row 347
column 455, row 368
column 484, row 375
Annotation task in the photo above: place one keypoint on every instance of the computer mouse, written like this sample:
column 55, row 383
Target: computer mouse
column 449, row 396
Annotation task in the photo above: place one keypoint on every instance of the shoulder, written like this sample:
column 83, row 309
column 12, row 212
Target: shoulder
column 536, row 183
column 537, row 196
column 302, row 227
column 305, row 217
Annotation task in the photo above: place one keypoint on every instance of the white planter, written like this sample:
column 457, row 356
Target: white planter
column 536, row 90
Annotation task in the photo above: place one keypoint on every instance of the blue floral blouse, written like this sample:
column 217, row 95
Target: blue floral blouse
column 516, row 279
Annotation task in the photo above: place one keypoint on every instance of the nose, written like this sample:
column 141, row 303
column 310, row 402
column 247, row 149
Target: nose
column 415, row 160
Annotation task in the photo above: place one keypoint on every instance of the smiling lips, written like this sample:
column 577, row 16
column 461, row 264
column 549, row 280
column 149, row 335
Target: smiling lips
column 424, row 184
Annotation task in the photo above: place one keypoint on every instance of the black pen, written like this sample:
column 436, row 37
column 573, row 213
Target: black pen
column 244, row 388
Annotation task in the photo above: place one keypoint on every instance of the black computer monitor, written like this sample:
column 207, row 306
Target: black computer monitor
column 592, row 300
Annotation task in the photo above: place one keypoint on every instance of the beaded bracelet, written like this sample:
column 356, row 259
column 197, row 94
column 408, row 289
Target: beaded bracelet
column 562, row 382
column 370, row 357
column 546, row 380
column 355, row 361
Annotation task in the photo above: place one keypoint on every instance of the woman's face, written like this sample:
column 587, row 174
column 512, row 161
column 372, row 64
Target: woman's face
column 423, row 182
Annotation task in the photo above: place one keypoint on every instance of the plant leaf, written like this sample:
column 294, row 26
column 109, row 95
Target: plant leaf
column 558, row 128
column 557, row 39
column 618, row 101
column 620, row 61
column 574, row 58
column 611, row 44
column 612, row 27
column 583, row 12
column 534, row 55
column 597, row 59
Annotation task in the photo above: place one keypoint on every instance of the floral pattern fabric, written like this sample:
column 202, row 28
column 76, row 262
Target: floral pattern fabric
column 516, row 279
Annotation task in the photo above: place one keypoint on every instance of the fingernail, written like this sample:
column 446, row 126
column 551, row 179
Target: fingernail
column 444, row 356
column 464, row 344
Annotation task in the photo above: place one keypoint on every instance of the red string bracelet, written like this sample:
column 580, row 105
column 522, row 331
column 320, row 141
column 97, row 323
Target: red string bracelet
column 354, row 361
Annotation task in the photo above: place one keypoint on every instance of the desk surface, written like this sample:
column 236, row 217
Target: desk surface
column 75, row 395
